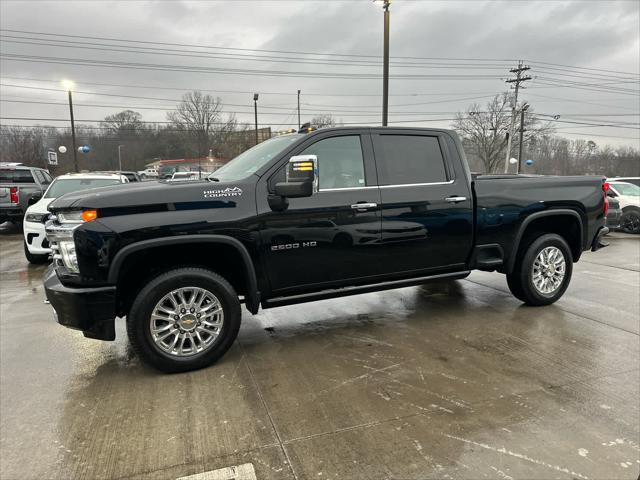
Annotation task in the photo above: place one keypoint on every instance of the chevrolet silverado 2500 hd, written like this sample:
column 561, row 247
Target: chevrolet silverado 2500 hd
column 303, row 217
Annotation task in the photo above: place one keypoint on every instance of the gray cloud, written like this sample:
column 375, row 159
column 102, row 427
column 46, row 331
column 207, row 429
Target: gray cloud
column 592, row 34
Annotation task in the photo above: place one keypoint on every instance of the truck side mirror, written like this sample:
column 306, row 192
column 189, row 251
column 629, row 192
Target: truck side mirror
column 34, row 198
column 302, row 178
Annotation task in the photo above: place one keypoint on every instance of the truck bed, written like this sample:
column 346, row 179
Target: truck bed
column 504, row 202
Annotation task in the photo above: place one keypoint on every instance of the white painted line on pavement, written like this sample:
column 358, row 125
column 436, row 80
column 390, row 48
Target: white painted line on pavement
column 236, row 472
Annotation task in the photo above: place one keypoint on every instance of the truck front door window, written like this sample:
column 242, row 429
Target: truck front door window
column 340, row 162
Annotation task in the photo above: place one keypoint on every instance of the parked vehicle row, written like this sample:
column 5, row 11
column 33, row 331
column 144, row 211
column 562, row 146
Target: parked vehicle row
column 176, row 258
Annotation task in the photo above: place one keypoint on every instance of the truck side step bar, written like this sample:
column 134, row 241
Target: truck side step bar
column 355, row 290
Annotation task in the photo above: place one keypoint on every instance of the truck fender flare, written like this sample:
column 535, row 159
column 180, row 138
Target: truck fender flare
column 535, row 216
column 252, row 299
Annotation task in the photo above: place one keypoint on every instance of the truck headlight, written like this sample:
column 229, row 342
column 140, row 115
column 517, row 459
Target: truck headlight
column 34, row 217
column 68, row 253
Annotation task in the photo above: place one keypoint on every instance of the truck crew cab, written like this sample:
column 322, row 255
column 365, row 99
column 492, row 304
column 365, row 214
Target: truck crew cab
column 302, row 217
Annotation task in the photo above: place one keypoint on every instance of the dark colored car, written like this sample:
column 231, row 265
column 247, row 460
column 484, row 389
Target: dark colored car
column 305, row 217
column 20, row 186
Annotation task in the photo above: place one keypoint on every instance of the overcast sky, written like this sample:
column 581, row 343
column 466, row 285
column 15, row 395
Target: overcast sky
column 584, row 59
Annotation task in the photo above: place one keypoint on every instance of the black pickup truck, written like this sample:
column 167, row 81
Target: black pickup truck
column 302, row 217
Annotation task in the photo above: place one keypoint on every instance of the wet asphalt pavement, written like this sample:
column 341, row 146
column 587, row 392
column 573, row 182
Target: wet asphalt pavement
column 448, row 380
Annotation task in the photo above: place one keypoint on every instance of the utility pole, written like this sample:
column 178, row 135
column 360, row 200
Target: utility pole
column 255, row 112
column 520, row 78
column 522, row 130
column 68, row 85
column 385, row 68
column 299, row 124
column 120, row 157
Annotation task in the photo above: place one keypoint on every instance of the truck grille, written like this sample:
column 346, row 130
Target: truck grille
column 55, row 233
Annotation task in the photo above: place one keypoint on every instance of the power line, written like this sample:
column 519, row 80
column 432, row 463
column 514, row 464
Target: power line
column 215, row 123
column 305, row 111
column 182, row 89
column 229, row 104
column 350, row 56
column 237, row 57
column 86, row 62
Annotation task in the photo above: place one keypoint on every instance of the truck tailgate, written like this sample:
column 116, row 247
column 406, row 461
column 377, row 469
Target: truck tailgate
column 5, row 197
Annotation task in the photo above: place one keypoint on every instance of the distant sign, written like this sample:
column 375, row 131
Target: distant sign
column 52, row 157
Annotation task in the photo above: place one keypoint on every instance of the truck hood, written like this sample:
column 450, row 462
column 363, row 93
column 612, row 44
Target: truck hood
column 153, row 193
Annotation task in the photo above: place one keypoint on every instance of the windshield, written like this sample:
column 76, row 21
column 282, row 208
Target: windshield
column 250, row 161
column 60, row 186
column 627, row 189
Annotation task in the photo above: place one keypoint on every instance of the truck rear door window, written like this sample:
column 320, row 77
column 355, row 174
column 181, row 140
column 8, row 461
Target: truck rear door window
column 16, row 176
column 409, row 159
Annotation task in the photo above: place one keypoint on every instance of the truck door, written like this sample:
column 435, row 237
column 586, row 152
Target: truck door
column 330, row 237
column 427, row 210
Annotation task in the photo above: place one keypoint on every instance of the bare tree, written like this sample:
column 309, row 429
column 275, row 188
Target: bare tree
column 26, row 146
column 125, row 121
column 324, row 120
column 485, row 131
column 198, row 117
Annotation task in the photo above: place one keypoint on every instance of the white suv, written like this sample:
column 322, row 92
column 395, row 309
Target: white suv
column 36, row 246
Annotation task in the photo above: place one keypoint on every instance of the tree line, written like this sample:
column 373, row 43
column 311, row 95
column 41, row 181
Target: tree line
column 197, row 128
column 484, row 134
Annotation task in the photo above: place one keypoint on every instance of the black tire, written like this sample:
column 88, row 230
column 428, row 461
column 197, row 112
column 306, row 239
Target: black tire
column 515, row 287
column 139, row 329
column 630, row 221
column 520, row 281
column 36, row 259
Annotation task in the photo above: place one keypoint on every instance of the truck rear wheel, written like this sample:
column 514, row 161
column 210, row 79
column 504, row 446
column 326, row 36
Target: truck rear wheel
column 543, row 272
column 184, row 319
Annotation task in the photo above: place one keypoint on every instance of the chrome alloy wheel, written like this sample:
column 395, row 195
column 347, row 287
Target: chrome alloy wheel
column 186, row 321
column 549, row 269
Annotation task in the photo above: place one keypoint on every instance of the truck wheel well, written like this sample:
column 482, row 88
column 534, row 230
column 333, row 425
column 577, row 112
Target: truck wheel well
column 567, row 226
column 141, row 266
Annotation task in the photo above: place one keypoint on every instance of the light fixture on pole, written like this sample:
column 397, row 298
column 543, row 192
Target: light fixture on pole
column 120, row 158
column 385, row 68
column 255, row 112
column 68, row 85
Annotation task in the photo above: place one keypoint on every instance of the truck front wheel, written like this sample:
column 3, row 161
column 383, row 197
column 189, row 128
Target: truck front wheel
column 543, row 272
column 184, row 319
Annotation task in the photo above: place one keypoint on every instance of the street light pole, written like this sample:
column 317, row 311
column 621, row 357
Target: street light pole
column 120, row 158
column 255, row 112
column 69, row 86
column 299, row 124
column 385, row 72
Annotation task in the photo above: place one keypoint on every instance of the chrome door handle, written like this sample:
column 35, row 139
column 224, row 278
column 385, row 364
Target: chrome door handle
column 455, row 199
column 363, row 206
